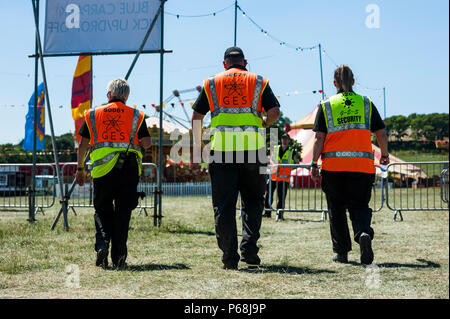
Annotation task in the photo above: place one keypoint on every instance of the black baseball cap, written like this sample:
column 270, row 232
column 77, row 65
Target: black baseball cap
column 233, row 51
column 285, row 135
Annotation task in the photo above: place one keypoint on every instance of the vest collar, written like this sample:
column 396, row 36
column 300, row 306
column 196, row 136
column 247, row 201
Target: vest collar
column 116, row 100
column 237, row 66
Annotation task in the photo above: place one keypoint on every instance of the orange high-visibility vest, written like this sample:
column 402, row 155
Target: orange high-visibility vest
column 234, row 98
column 282, row 173
column 348, row 145
column 112, row 127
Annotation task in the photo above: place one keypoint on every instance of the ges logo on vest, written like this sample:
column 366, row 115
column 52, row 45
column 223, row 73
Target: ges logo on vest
column 236, row 87
column 112, row 125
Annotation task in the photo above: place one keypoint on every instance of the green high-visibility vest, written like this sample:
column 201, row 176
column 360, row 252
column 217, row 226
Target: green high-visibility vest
column 236, row 128
column 287, row 157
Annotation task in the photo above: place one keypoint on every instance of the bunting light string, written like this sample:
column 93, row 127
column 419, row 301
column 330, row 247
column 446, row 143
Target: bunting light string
column 281, row 42
column 367, row 88
column 297, row 92
column 329, row 57
column 214, row 13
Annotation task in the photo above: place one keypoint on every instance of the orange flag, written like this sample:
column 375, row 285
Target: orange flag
column 81, row 91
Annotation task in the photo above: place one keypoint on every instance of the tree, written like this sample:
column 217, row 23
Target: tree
column 397, row 126
column 429, row 126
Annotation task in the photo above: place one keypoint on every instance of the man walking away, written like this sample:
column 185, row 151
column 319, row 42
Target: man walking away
column 237, row 100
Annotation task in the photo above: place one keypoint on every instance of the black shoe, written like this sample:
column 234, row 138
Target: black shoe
column 230, row 266
column 340, row 258
column 267, row 214
column 121, row 264
column 252, row 260
column 102, row 258
column 365, row 244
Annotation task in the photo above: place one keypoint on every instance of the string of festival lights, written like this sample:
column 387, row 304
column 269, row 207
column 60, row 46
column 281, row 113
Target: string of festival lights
column 214, row 13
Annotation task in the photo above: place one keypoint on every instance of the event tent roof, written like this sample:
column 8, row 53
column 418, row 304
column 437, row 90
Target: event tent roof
column 167, row 126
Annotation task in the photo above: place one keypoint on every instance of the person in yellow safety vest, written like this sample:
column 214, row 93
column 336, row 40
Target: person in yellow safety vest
column 237, row 100
column 116, row 134
column 280, row 176
column 343, row 127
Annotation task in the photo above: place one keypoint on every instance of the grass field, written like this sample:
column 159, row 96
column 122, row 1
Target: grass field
column 181, row 259
column 414, row 156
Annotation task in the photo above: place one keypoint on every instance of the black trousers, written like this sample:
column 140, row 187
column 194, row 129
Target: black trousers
column 282, row 189
column 352, row 191
column 115, row 196
column 227, row 180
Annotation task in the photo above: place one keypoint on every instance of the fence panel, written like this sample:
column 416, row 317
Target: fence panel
column 416, row 186
column 15, row 183
column 303, row 195
column 83, row 196
column 444, row 186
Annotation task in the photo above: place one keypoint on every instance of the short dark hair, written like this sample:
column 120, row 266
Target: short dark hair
column 234, row 59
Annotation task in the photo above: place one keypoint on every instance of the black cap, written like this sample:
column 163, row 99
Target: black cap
column 233, row 51
column 285, row 135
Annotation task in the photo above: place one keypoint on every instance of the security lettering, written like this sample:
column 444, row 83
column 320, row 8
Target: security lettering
column 348, row 119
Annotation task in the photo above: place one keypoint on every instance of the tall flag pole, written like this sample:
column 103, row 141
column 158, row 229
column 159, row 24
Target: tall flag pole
column 321, row 71
column 81, row 91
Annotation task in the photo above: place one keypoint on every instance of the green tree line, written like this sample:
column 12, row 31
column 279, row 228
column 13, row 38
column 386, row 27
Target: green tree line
column 433, row 126
column 65, row 145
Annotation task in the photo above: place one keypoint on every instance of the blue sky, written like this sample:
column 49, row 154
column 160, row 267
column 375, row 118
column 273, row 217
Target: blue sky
column 408, row 54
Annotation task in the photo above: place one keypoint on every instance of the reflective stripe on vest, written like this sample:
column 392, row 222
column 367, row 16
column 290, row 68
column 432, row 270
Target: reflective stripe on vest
column 117, row 145
column 235, row 110
column 348, row 154
column 109, row 157
column 348, row 146
column 236, row 128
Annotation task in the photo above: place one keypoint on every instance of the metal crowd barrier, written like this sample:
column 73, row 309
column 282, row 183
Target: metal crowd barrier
column 444, row 186
column 83, row 196
column 187, row 189
column 15, row 186
column 417, row 186
column 303, row 195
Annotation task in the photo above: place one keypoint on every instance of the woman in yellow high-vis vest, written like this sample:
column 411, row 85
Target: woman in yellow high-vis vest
column 343, row 126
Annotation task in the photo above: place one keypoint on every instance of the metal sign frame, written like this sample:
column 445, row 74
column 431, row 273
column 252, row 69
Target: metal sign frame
column 39, row 57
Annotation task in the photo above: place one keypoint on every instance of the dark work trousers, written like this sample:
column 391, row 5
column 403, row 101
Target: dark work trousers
column 352, row 191
column 115, row 196
column 227, row 180
column 282, row 189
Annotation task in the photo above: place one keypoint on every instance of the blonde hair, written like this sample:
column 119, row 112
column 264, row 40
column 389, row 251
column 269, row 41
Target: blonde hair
column 344, row 78
column 119, row 88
